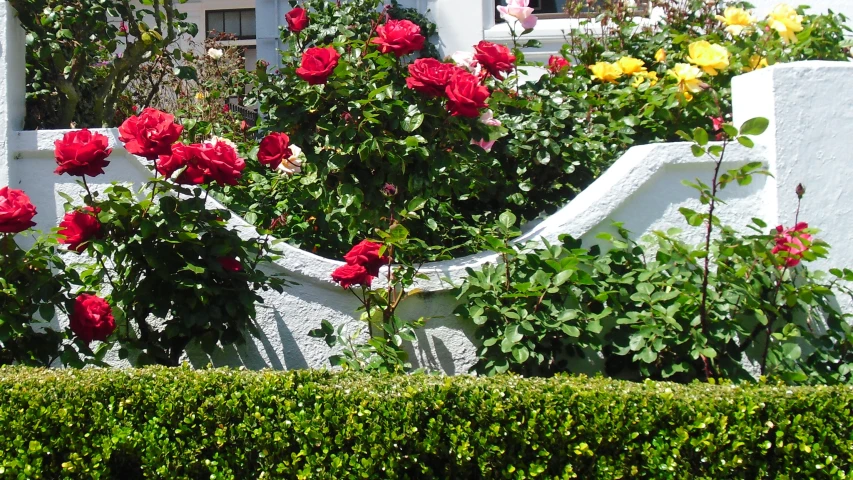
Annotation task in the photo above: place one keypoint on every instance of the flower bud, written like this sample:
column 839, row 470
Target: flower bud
column 389, row 190
column 801, row 190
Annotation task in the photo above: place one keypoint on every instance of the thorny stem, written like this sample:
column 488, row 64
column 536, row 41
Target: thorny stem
column 98, row 255
column 703, row 306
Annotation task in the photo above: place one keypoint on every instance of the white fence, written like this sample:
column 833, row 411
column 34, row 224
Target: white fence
column 810, row 140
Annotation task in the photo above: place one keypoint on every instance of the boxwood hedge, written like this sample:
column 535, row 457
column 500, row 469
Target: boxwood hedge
column 180, row 423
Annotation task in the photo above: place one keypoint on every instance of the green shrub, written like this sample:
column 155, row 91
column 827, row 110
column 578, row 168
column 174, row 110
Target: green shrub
column 177, row 423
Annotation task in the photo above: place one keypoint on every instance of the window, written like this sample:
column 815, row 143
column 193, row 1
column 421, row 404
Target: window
column 566, row 8
column 239, row 23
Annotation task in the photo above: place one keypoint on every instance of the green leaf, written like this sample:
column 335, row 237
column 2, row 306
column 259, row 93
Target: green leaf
column 746, row 142
column 512, row 334
column 700, row 136
column 697, row 150
column 520, row 353
column 754, row 126
column 507, row 220
column 792, row 351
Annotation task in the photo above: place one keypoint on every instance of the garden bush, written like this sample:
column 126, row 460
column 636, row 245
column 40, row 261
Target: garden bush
column 367, row 113
column 227, row 424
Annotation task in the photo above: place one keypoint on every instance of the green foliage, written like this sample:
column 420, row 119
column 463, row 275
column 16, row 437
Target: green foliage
column 74, row 74
column 177, row 423
column 30, row 291
column 160, row 257
column 559, row 131
column 665, row 309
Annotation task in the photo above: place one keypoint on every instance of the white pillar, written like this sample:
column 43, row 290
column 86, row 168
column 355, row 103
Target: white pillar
column 269, row 15
column 12, row 84
column 809, row 141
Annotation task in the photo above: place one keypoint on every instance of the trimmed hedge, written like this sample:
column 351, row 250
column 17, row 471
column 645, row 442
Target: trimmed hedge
column 179, row 423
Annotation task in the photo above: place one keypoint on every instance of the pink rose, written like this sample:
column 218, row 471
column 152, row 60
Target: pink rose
column 518, row 10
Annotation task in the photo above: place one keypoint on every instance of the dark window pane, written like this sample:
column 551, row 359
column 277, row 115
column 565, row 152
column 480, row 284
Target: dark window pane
column 214, row 22
column 247, row 24
column 232, row 22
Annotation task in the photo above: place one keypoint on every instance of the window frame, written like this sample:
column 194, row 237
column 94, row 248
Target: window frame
column 240, row 11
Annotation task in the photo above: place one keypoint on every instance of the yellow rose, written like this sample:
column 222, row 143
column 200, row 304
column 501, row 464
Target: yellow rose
column 660, row 55
column 606, row 72
column 709, row 56
column 736, row 20
column 639, row 78
column 687, row 77
column 756, row 62
column 785, row 20
column 631, row 66
column 199, row 96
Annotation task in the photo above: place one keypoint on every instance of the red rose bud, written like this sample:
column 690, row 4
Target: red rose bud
column 389, row 189
column 366, row 254
column 151, row 134
column 230, row 264
column 347, row 117
column 558, row 64
column 226, row 108
column 16, row 211
column 495, row 59
column 92, row 318
column 400, row 37
column 318, row 64
column 274, row 149
column 429, row 76
column 349, row 275
column 81, row 152
column 465, row 95
column 78, row 227
column 297, row 19
column 800, row 190
column 243, row 126
column 134, row 109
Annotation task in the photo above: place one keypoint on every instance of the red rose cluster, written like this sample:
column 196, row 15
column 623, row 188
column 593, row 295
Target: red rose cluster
column 16, row 211
column 363, row 264
column 465, row 93
column 790, row 241
column 205, row 163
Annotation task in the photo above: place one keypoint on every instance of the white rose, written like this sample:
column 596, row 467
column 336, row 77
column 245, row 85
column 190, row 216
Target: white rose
column 293, row 164
column 214, row 53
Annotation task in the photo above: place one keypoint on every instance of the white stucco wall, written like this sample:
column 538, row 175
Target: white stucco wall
column 810, row 140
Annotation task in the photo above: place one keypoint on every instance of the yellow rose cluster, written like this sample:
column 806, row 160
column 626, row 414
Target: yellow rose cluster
column 610, row 72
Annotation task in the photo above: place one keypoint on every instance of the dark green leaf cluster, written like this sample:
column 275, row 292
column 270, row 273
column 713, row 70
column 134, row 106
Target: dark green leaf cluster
column 178, row 423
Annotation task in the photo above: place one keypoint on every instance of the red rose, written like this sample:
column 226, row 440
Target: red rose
column 222, row 165
column 230, row 264
column 151, row 134
column 790, row 241
column 400, row 37
column 465, row 95
column 92, row 318
column 81, row 152
column 496, row 59
column 181, row 156
column 205, row 162
column 79, row 227
column 349, row 275
column 558, row 64
column 366, row 254
column 317, row 64
column 429, row 76
column 16, row 211
column 297, row 19
column 274, row 149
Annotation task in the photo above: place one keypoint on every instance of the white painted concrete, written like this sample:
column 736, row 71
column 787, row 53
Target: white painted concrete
column 810, row 140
